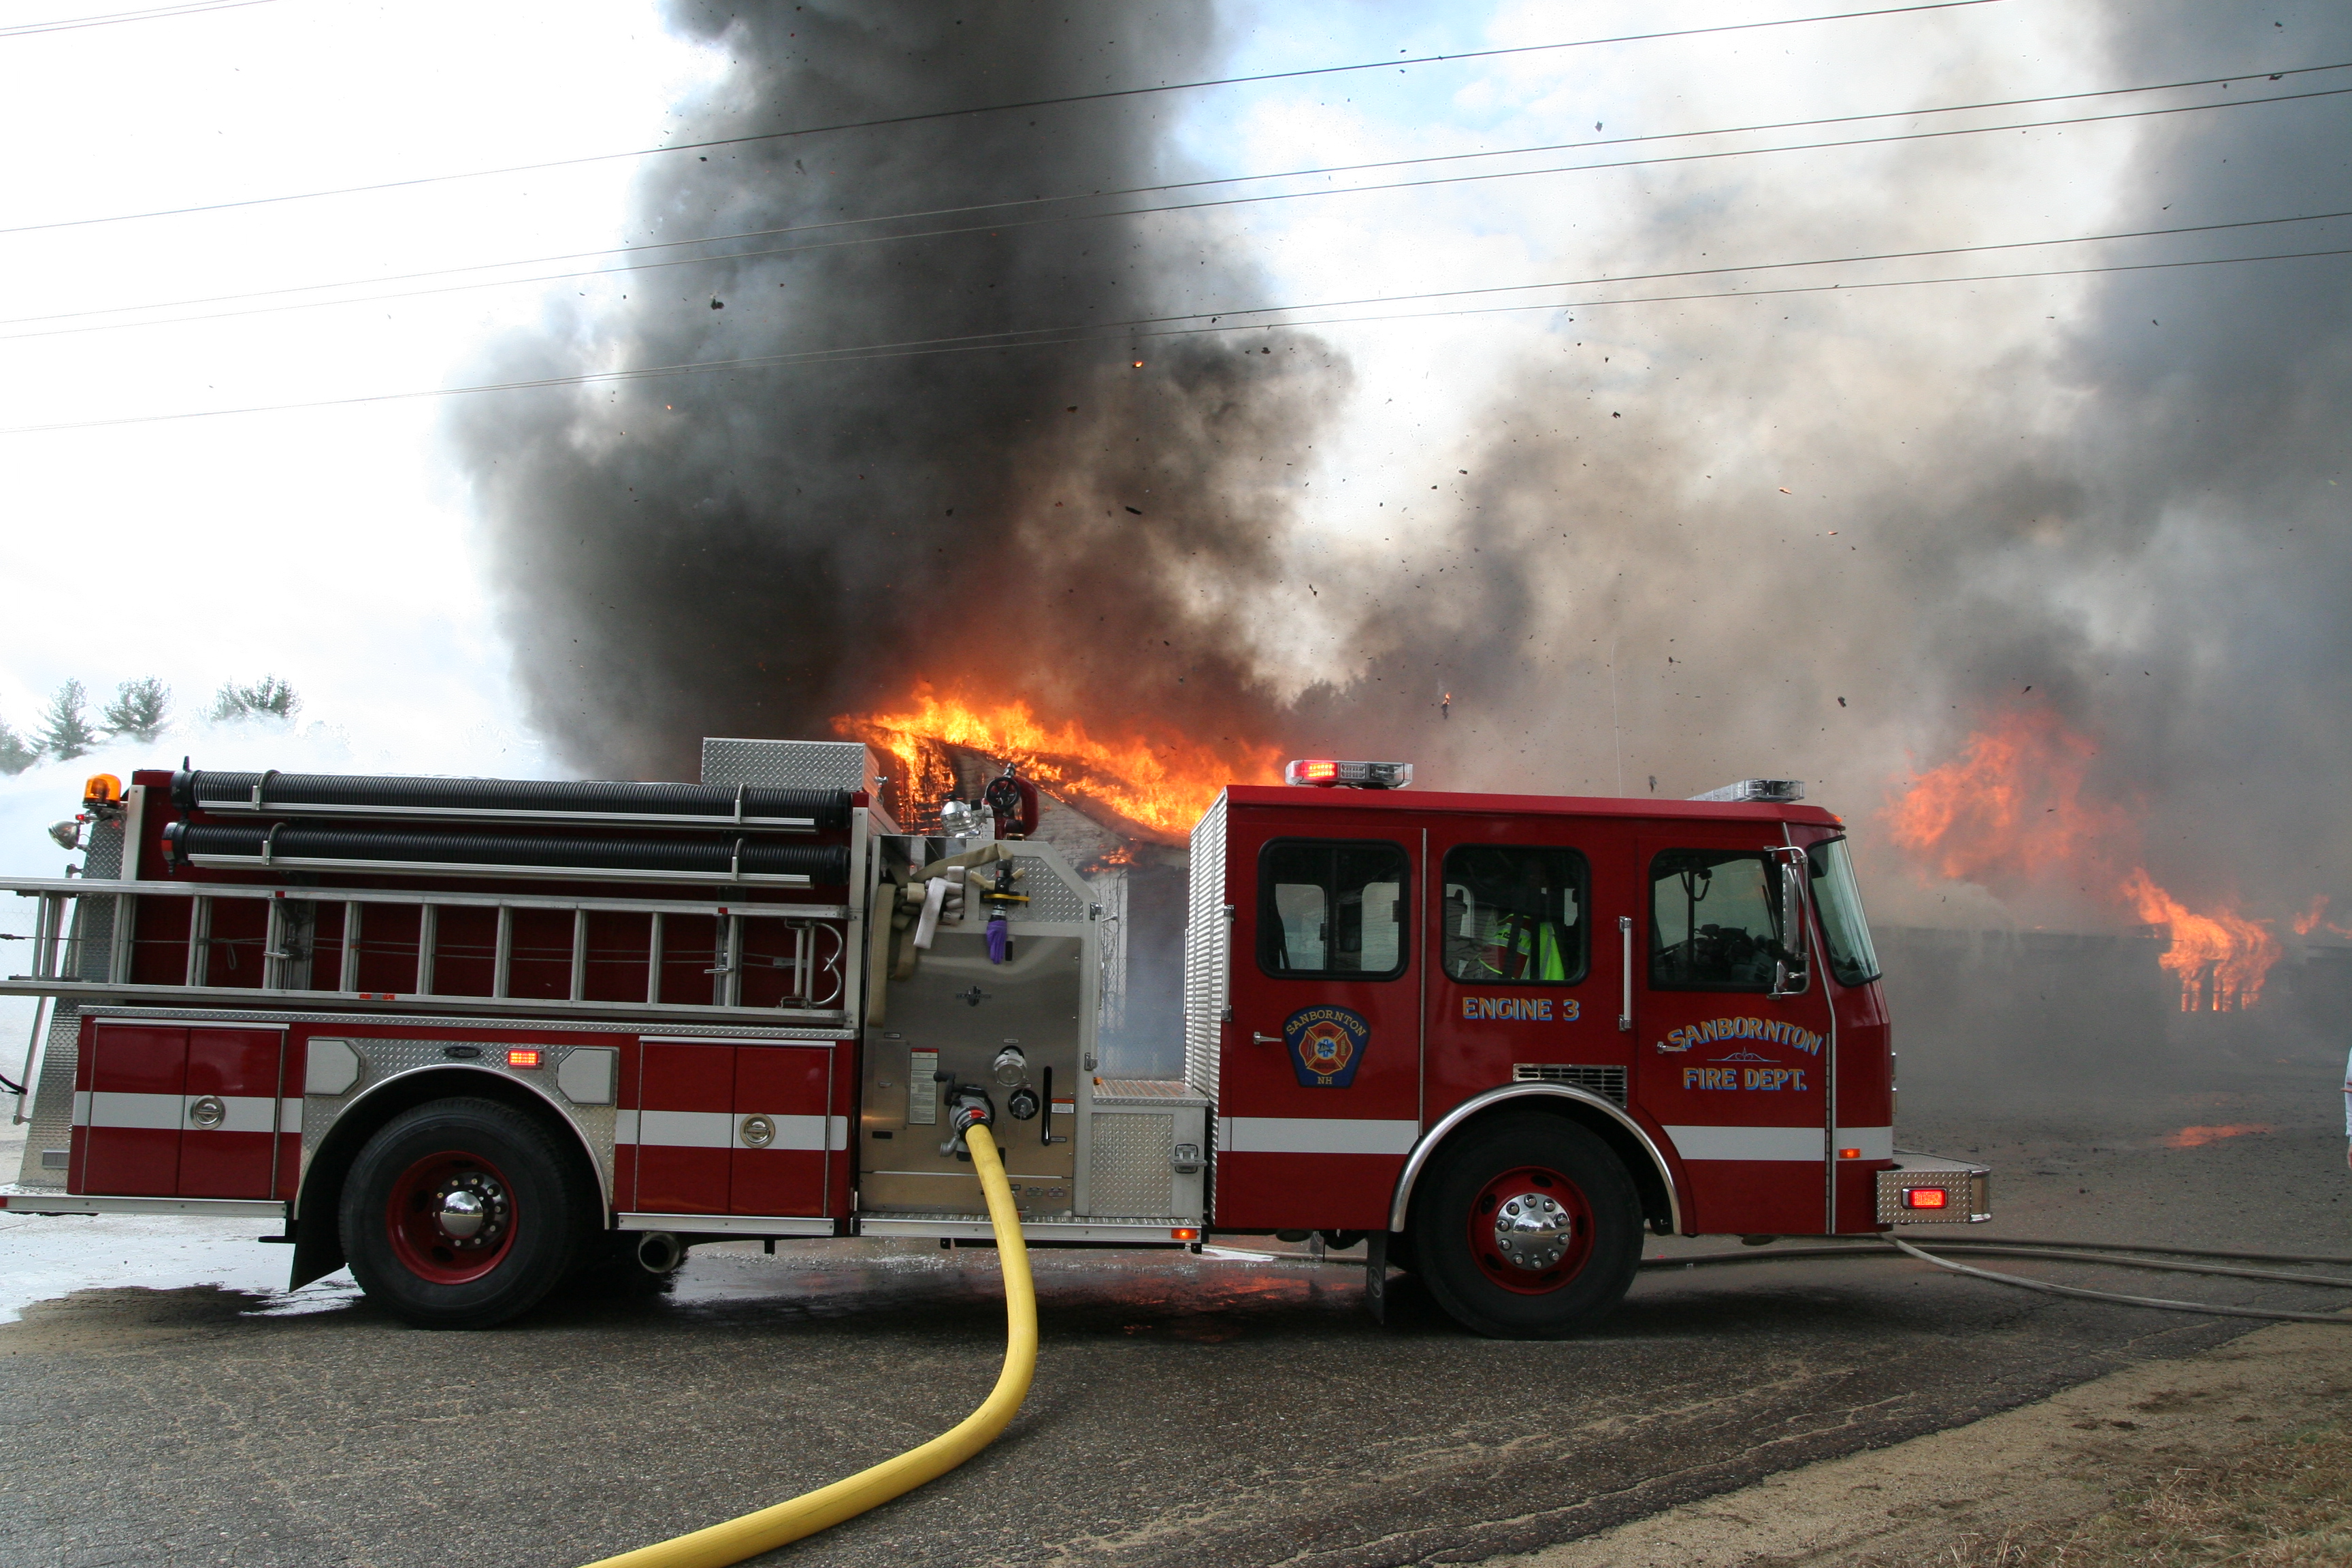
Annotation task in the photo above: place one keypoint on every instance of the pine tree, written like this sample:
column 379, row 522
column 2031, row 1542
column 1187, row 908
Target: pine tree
column 268, row 698
column 139, row 709
column 66, row 730
column 15, row 756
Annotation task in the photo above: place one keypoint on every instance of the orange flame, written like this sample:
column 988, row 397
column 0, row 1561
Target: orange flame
column 2012, row 806
column 2198, row 1137
column 2312, row 919
column 1160, row 782
column 2221, row 959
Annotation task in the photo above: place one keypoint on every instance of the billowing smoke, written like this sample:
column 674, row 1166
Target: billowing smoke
column 1829, row 536
column 1658, row 547
column 758, row 551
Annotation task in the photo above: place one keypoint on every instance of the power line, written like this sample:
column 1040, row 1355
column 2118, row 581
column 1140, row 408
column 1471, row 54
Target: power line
column 1165, row 326
column 1001, row 225
column 153, row 14
column 1115, row 93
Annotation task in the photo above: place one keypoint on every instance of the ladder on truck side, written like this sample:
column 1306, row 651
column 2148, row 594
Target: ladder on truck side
column 822, row 965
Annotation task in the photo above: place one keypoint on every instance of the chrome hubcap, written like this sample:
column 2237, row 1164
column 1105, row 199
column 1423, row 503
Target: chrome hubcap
column 1532, row 1231
column 471, row 1210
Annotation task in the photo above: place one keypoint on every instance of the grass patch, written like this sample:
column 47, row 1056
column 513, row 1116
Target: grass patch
column 2287, row 1501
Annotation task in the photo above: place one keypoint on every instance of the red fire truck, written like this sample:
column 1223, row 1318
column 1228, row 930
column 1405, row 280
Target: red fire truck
column 473, row 1037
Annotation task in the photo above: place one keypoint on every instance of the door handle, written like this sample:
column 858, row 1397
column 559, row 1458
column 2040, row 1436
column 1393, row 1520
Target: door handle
column 1625, row 941
column 1257, row 1039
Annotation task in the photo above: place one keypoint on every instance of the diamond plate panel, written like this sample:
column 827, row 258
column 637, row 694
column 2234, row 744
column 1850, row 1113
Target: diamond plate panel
column 1050, row 896
column 789, row 764
column 51, row 1127
column 383, row 1059
column 1129, row 1174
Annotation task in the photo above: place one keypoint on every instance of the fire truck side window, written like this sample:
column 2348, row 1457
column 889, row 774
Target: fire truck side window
column 1714, row 921
column 1513, row 915
column 1331, row 910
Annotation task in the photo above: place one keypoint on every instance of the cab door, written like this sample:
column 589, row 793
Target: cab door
column 1736, row 1077
column 1319, row 1075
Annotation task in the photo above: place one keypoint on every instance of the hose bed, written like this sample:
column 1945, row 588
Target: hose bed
column 274, row 794
column 293, row 846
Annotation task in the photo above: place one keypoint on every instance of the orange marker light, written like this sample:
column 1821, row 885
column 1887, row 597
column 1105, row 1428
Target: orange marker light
column 1848, row 1154
column 523, row 1058
column 1926, row 1198
column 1185, row 1233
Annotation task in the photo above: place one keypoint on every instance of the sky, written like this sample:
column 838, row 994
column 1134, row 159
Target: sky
column 1815, row 534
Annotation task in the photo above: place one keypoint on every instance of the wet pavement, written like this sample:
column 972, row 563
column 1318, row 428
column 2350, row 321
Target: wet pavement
column 1187, row 1410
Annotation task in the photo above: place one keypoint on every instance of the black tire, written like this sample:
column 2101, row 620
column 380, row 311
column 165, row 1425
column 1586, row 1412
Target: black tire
column 1554, row 1160
column 539, row 1207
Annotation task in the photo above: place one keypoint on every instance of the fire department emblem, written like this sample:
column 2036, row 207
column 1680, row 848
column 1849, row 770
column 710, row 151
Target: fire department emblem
column 1326, row 1045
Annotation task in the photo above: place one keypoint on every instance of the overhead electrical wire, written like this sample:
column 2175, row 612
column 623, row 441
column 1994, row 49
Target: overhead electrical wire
column 1399, row 62
column 157, row 13
column 998, row 226
column 1163, row 327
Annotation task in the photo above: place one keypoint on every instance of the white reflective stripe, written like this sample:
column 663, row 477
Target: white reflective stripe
column 1313, row 1135
column 1790, row 1144
column 290, row 1116
column 791, row 1131
column 246, row 1113
column 114, row 1108
column 685, row 1129
column 723, row 1129
column 1875, row 1142
column 81, row 1106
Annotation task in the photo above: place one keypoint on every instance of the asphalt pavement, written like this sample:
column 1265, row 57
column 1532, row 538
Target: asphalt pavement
column 1187, row 1410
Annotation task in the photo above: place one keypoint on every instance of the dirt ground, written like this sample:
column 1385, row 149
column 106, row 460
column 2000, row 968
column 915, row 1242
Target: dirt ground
column 2022, row 1482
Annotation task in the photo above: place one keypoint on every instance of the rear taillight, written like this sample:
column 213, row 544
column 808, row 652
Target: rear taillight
column 1926, row 1198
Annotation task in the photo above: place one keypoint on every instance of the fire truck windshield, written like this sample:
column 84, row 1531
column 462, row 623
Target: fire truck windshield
column 1838, row 896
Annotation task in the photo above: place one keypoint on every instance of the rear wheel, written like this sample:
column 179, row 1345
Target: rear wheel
column 1527, row 1228
column 460, row 1214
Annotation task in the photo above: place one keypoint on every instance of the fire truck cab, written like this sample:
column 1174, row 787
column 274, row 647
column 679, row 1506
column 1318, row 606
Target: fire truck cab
column 478, row 1037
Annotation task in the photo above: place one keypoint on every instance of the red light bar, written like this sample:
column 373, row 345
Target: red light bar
column 523, row 1058
column 1359, row 775
column 1926, row 1198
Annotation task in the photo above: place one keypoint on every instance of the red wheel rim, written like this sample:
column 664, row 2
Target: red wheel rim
column 451, row 1218
column 1530, row 1230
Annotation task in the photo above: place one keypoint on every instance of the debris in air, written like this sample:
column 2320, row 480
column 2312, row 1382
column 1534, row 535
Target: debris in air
column 1136, row 509
column 717, row 303
column 1841, row 701
column 1785, row 490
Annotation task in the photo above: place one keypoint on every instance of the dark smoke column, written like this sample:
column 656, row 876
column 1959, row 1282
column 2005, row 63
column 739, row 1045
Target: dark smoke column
column 756, row 552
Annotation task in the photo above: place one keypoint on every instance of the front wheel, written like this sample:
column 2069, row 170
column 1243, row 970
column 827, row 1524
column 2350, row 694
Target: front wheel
column 460, row 1214
column 1527, row 1228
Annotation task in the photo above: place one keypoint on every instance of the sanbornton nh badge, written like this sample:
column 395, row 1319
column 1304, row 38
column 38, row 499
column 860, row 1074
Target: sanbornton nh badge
column 1326, row 1045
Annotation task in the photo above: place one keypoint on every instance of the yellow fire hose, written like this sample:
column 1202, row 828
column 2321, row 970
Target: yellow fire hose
column 718, row 1544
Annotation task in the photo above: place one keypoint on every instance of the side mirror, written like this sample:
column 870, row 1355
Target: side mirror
column 1789, row 962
